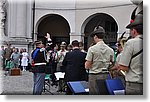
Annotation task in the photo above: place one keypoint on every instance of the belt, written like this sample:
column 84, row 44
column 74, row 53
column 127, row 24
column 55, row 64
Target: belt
column 37, row 64
column 99, row 73
column 128, row 82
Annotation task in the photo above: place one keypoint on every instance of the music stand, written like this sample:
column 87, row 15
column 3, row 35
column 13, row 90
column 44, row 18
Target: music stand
column 60, row 79
column 47, row 82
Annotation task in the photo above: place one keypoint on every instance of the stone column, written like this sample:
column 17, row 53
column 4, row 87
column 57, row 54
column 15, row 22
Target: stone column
column 29, row 19
column 21, row 21
column 17, row 19
column 74, row 36
column 2, row 18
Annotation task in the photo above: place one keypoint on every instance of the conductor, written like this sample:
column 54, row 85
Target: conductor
column 39, row 65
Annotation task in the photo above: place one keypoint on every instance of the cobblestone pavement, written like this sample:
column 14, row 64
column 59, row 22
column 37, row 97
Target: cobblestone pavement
column 22, row 85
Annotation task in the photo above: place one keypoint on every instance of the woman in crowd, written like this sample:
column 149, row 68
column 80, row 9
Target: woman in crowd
column 24, row 60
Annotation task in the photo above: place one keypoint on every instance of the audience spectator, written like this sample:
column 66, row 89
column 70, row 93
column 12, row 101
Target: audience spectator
column 15, row 58
column 61, row 54
column 2, row 51
column 24, row 60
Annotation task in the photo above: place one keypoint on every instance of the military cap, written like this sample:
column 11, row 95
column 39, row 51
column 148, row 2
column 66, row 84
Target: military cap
column 137, row 21
column 98, row 30
column 63, row 44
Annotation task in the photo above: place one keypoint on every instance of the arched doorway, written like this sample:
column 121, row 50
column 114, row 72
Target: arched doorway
column 56, row 25
column 100, row 19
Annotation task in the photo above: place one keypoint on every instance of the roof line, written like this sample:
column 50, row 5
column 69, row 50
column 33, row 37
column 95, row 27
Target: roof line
column 80, row 8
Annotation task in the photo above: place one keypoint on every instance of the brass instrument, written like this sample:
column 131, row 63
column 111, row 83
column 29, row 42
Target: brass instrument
column 122, row 40
column 113, row 73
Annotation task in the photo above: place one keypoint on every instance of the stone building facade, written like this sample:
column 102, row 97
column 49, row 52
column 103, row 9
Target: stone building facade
column 29, row 20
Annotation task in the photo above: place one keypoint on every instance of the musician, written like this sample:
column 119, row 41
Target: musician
column 98, row 57
column 131, row 58
column 114, row 73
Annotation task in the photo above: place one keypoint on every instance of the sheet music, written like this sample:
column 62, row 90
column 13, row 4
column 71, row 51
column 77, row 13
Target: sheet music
column 59, row 75
column 87, row 90
column 119, row 92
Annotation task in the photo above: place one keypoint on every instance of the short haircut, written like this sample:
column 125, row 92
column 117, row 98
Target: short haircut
column 37, row 43
column 75, row 43
column 100, row 35
column 138, row 28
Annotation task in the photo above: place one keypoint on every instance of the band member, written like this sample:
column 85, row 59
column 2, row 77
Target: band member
column 98, row 58
column 131, row 58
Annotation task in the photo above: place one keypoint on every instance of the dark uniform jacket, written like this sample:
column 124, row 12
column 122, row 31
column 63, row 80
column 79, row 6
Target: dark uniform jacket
column 74, row 66
column 40, row 59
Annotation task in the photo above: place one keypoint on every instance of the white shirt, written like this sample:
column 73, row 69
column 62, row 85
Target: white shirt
column 61, row 55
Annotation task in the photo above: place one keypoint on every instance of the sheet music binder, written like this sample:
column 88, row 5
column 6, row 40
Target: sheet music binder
column 114, row 85
column 76, row 87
